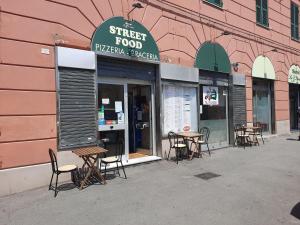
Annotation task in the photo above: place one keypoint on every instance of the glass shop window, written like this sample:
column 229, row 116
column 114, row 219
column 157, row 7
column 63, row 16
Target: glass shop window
column 110, row 104
column 179, row 108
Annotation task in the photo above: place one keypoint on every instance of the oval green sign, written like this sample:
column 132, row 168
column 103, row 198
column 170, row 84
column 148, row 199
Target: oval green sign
column 118, row 36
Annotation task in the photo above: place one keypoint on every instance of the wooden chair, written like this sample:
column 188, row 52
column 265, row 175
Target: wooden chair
column 116, row 158
column 240, row 136
column 58, row 170
column 254, row 133
column 260, row 130
column 176, row 144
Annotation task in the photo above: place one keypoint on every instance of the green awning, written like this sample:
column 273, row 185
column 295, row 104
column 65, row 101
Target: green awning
column 213, row 57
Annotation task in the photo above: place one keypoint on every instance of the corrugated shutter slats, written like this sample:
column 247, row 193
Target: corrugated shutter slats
column 77, row 107
column 239, row 104
column 125, row 69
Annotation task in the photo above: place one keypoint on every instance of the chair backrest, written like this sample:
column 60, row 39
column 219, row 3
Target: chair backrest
column 53, row 160
column 258, row 124
column 120, row 147
column 100, row 143
column 238, row 129
column 173, row 138
column 206, row 132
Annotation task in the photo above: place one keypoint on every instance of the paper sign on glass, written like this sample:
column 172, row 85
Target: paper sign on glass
column 210, row 95
column 121, row 118
column 105, row 101
column 187, row 107
column 118, row 106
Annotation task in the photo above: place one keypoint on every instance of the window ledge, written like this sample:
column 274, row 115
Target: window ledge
column 214, row 5
column 262, row 25
column 295, row 39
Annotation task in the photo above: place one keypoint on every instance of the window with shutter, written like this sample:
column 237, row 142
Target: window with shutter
column 294, row 21
column 297, row 22
column 262, row 12
column 218, row 3
column 265, row 12
column 258, row 10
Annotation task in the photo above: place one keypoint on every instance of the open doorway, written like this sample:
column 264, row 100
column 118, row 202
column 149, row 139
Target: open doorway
column 294, row 104
column 139, row 121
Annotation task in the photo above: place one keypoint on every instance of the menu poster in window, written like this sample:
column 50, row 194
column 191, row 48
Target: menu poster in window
column 187, row 100
column 178, row 111
column 210, row 95
column 179, row 106
column 169, row 107
column 187, row 122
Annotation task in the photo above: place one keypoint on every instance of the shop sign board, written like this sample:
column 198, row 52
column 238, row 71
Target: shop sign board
column 210, row 95
column 294, row 74
column 117, row 36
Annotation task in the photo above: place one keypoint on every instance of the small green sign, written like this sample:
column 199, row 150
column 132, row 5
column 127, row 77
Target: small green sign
column 127, row 38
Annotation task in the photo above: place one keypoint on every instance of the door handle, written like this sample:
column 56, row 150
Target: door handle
column 140, row 126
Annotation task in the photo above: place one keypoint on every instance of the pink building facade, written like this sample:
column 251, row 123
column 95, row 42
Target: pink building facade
column 40, row 40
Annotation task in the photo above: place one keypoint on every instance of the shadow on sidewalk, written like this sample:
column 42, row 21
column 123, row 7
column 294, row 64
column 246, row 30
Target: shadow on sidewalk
column 292, row 139
column 296, row 211
column 66, row 187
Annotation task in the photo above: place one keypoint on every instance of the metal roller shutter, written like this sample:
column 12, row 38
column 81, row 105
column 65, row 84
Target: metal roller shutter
column 239, row 104
column 77, row 108
column 125, row 69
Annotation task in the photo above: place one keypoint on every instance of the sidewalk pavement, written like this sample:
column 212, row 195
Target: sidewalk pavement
column 257, row 186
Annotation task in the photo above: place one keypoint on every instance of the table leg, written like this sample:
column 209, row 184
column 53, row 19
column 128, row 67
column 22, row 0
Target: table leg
column 95, row 169
column 192, row 152
column 187, row 147
column 256, row 139
column 86, row 178
column 191, row 155
column 200, row 150
column 100, row 176
column 91, row 168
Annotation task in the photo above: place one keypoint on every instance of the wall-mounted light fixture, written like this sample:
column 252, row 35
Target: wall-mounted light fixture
column 136, row 5
column 272, row 50
column 224, row 33
column 235, row 66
